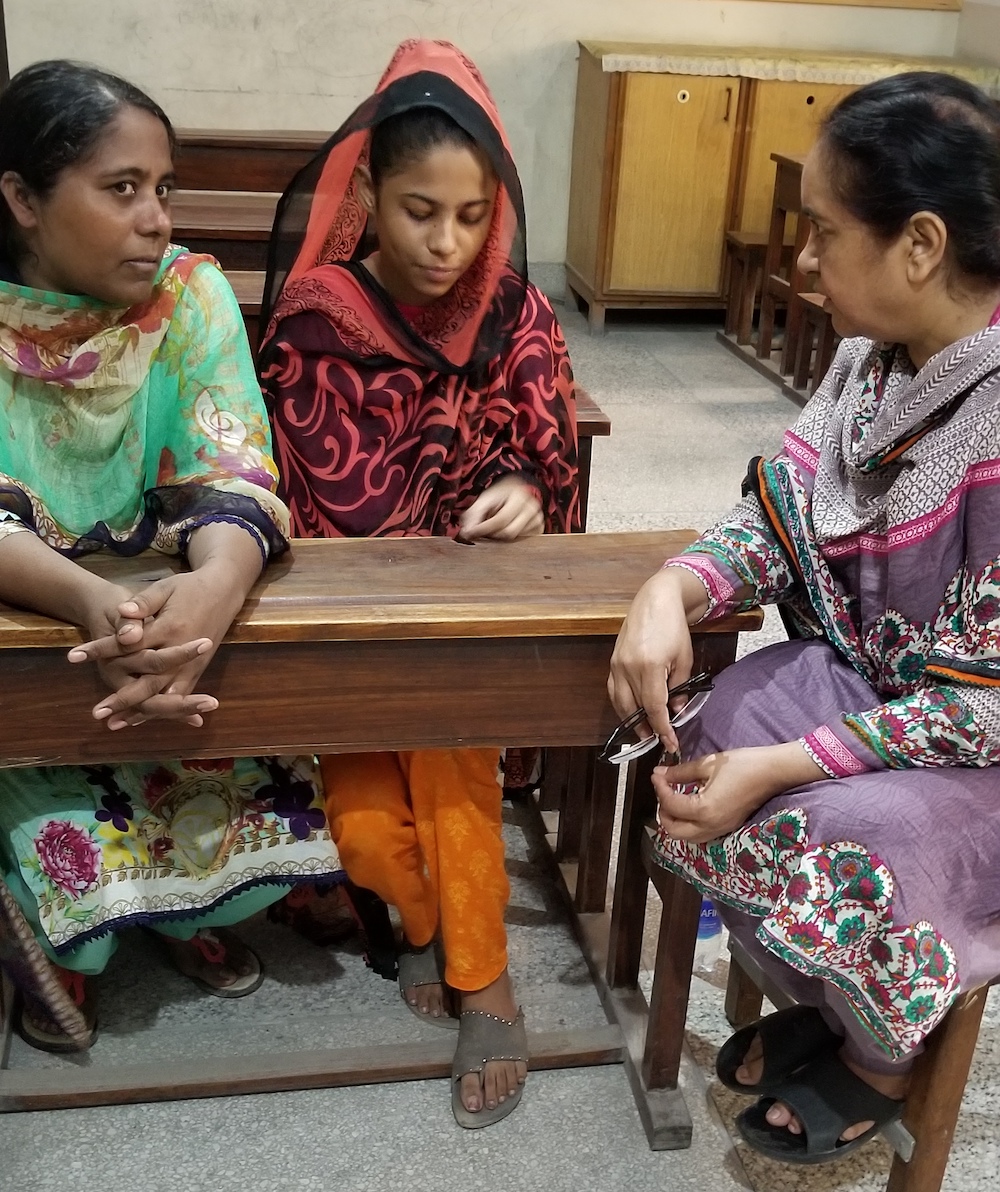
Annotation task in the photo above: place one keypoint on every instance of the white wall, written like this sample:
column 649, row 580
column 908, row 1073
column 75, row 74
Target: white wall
column 979, row 31
column 307, row 63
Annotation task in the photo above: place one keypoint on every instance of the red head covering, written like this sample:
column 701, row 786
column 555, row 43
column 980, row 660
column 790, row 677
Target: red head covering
column 479, row 313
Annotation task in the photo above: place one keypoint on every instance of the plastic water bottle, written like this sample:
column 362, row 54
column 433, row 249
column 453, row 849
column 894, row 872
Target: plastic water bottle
column 708, row 949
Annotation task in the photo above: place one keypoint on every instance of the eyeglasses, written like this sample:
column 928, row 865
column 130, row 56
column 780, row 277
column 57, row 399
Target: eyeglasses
column 616, row 751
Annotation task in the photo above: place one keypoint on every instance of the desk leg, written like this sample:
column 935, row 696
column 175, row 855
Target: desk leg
column 555, row 776
column 628, row 910
column 595, row 846
column 573, row 810
column 585, row 453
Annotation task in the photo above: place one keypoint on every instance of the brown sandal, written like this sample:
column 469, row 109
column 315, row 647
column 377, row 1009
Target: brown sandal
column 420, row 966
column 39, row 1028
column 484, row 1039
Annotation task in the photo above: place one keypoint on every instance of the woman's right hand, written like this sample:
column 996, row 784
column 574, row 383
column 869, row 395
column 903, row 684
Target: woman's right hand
column 654, row 648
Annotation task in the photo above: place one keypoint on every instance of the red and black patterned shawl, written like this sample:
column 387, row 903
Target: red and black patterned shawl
column 383, row 427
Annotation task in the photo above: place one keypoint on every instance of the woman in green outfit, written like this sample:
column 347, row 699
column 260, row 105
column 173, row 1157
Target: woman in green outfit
column 132, row 420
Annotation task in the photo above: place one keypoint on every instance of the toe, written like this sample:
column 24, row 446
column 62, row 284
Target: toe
column 471, row 1092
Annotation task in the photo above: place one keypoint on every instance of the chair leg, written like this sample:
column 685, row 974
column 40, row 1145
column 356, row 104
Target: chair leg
column 753, row 278
column 939, row 1078
column 734, row 284
column 803, row 355
column 825, row 349
column 743, row 998
column 668, row 1002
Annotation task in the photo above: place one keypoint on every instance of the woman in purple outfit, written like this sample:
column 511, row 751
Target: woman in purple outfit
column 838, row 796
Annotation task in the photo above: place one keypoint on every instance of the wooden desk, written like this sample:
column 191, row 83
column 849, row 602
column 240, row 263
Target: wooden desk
column 430, row 643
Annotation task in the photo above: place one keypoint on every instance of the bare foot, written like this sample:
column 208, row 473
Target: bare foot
column 431, row 999
column 501, row 1078
column 215, row 956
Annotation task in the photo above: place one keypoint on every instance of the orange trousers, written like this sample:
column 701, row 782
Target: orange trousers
column 423, row 830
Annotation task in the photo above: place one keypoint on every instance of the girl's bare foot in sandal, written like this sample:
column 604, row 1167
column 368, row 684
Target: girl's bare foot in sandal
column 421, row 984
column 501, row 1079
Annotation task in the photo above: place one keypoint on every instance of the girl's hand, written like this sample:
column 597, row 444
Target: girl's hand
column 181, row 620
column 654, row 648
column 506, row 511
column 731, row 786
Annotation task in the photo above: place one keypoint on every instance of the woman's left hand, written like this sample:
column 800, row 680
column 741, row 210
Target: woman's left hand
column 508, row 510
column 732, row 785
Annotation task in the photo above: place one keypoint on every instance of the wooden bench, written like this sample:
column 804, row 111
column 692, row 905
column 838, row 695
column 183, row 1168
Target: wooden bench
column 243, row 159
column 432, row 642
column 233, row 225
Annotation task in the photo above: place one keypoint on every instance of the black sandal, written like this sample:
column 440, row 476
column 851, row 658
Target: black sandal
column 828, row 1099
column 790, row 1038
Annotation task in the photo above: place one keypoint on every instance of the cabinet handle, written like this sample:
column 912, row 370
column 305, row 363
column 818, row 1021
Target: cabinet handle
column 729, row 104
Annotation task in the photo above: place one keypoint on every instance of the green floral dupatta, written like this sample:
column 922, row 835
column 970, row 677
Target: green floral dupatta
column 127, row 429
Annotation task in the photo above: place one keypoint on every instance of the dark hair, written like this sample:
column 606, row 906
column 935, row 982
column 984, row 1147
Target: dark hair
column 52, row 114
column 405, row 138
column 921, row 141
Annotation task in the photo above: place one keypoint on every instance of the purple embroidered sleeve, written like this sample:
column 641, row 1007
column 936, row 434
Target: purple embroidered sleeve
column 737, row 553
column 935, row 726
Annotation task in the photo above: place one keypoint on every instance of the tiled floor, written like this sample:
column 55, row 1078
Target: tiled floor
column 687, row 417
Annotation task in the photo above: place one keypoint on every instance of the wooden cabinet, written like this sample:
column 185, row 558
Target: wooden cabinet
column 781, row 117
column 672, row 148
column 644, row 228
column 667, row 227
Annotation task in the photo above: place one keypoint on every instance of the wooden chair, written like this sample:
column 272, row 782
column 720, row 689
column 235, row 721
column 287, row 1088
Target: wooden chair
column 745, row 256
column 922, row 1141
column 815, row 344
column 779, row 289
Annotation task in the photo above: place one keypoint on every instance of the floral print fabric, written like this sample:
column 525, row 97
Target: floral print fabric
column 104, row 847
column 864, row 882
column 124, row 430
column 160, row 396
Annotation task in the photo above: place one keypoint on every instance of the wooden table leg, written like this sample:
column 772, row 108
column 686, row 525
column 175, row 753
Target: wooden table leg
column 628, row 910
column 939, row 1078
column 573, row 812
column 555, row 776
column 595, row 847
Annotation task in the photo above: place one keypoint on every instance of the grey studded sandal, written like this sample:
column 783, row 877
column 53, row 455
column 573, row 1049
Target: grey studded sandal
column 421, row 967
column 483, row 1039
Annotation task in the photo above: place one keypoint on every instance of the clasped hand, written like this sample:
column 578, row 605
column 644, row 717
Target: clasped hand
column 152, row 647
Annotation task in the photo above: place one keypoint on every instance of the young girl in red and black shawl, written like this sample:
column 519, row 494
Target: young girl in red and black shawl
column 419, row 385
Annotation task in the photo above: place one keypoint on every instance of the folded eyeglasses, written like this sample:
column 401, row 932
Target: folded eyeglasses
column 617, row 750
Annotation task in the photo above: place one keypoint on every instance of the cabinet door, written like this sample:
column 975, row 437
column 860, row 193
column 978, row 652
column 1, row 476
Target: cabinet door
column 783, row 118
column 673, row 183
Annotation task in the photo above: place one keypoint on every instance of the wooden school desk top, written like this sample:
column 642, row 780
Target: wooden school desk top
column 359, row 644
